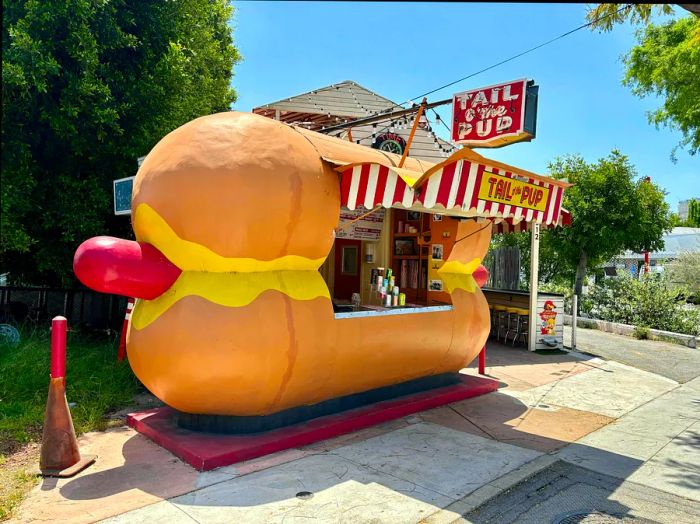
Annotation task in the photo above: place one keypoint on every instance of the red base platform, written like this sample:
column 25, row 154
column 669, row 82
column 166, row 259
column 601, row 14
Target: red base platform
column 205, row 451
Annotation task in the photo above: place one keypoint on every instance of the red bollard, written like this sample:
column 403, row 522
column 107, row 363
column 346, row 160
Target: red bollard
column 122, row 339
column 482, row 361
column 60, row 456
column 59, row 327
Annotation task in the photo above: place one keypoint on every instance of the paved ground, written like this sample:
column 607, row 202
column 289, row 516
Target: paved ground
column 673, row 361
column 637, row 431
column 564, row 489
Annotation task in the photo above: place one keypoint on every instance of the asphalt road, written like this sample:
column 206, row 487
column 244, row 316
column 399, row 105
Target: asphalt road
column 673, row 361
column 563, row 493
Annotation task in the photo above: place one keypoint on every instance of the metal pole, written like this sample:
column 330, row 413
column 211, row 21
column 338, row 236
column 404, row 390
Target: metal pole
column 534, row 277
column 416, row 122
column 384, row 116
column 574, row 320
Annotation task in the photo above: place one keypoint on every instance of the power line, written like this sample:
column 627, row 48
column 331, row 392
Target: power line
column 588, row 24
column 563, row 35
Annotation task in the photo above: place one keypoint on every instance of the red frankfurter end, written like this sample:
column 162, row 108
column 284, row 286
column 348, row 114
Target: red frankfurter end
column 124, row 267
column 481, row 275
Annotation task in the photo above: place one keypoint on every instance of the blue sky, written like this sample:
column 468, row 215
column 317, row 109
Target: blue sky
column 401, row 50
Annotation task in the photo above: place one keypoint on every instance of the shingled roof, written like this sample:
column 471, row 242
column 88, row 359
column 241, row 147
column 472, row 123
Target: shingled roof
column 348, row 101
column 334, row 104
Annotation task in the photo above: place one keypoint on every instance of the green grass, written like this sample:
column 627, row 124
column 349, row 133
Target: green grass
column 15, row 482
column 95, row 382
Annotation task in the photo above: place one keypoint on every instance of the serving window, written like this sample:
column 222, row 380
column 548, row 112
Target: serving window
column 385, row 262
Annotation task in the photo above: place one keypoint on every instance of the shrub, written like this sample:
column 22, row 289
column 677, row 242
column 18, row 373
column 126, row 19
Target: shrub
column 641, row 332
column 685, row 271
column 652, row 302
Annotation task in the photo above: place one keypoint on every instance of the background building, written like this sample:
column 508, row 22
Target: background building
column 347, row 101
column 679, row 240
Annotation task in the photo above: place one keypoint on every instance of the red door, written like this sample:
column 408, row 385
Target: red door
column 347, row 268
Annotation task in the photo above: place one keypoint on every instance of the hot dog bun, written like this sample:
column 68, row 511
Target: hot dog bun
column 240, row 185
column 245, row 207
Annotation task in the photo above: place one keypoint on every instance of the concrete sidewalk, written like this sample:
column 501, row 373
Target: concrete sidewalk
column 636, row 427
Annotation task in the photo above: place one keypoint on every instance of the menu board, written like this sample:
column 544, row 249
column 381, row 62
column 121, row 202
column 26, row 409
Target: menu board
column 367, row 228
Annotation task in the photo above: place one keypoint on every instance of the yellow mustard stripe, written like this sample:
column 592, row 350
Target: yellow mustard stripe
column 150, row 227
column 458, row 275
column 455, row 266
column 454, row 281
column 231, row 290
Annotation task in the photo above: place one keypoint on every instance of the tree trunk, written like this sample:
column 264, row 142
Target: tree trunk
column 580, row 273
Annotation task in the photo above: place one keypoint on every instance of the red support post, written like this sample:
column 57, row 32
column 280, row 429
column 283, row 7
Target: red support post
column 125, row 325
column 646, row 262
column 59, row 327
column 482, row 361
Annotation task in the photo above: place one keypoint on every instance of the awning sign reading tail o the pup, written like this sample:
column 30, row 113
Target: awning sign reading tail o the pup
column 504, row 190
column 495, row 116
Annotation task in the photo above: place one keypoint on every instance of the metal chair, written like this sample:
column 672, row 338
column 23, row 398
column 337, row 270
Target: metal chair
column 523, row 322
column 501, row 320
column 511, row 322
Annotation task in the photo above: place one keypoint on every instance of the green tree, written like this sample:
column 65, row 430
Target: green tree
column 665, row 62
column 87, row 87
column 612, row 211
column 693, row 214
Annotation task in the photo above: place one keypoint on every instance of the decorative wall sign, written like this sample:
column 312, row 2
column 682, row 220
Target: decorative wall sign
column 390, row 142
column 504, row 190
column 496, row 115
column 549, row 319
column 435, row 285
column 367, row 228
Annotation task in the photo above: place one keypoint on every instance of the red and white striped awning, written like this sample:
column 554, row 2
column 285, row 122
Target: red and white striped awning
column 457, row 187
column 508, row 226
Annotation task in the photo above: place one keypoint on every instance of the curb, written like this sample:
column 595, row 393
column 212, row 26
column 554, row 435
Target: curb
column 455, row 511
column 627, row 330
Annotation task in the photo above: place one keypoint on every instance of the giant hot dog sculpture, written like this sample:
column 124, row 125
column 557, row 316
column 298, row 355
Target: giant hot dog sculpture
column 233, row 214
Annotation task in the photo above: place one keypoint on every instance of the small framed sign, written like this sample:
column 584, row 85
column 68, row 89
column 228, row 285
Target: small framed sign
column 404, row 247
column 122, row 195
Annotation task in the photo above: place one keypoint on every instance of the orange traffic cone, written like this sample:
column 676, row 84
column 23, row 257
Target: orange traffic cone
column 60, row 456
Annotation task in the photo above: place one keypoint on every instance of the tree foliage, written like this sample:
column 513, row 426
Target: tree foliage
column 685, row 271
column 604, row 16
column 87, row 87
column 693, row 219
column 612, row 210
column 666, row 62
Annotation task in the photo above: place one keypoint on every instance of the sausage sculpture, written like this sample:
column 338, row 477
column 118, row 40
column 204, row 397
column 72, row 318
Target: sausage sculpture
column 234, row 214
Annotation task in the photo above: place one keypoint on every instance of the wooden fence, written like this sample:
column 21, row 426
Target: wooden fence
column 504, row 268
column 84, row 309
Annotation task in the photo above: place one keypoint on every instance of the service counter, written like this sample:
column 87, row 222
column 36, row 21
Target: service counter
column 549, row 313
column 348, row 311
